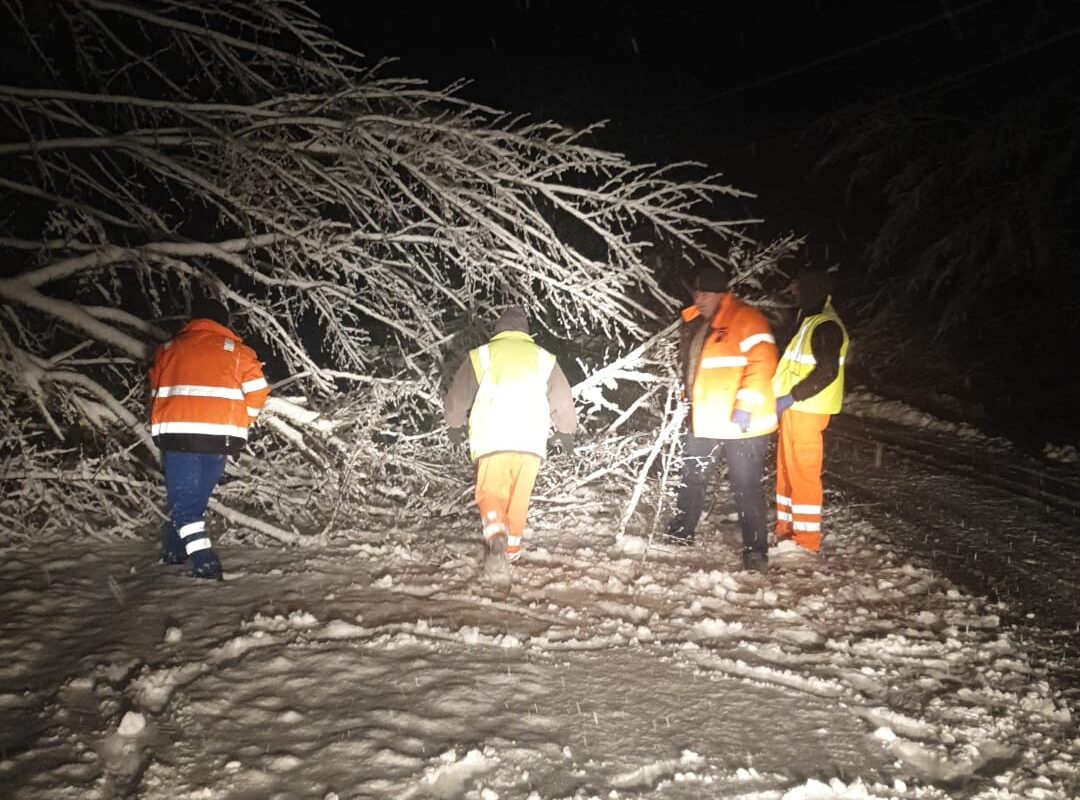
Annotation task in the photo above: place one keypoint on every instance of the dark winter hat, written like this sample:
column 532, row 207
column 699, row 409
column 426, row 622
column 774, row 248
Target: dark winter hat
column 513, row 319
column 815, row 284
column 710, row 279
column 203, row 307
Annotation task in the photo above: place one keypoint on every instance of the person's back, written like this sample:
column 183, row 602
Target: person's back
column 510, row 411
column 206, row 389
column 199, row 382
column 511, row 392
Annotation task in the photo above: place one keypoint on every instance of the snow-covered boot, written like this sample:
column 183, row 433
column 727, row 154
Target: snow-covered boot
column 496, row 566
column 205, row 564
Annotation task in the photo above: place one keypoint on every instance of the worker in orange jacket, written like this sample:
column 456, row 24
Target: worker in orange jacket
column 809, row 387
column 728, row 356
column 206, row 389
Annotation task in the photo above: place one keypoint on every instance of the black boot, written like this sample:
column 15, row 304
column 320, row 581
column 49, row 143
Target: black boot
column 172, row 549
column 205, row 564
column 755, row 561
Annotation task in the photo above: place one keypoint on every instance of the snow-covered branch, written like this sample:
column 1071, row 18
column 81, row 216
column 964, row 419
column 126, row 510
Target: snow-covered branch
column 362, row 228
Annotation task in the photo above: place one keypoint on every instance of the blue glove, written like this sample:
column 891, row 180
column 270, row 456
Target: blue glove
column 457, row 436
column 783, row 403
column 742, row 419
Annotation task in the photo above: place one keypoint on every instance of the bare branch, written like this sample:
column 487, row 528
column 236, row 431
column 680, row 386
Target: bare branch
column 362, row 229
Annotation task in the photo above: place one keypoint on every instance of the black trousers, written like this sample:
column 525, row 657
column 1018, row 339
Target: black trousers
column 745, row 458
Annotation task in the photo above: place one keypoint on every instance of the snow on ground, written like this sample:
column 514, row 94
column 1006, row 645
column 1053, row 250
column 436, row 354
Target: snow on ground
column 381, row 669
column 864, row 403
column 1065, row 453
column 989, row 516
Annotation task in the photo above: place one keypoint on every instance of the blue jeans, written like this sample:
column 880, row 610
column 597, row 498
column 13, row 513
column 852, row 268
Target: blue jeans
column 745, row 458
column 190, row 479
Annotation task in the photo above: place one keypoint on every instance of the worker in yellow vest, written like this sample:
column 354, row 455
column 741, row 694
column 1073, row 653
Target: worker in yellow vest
column 511, row 391
column 809, row 388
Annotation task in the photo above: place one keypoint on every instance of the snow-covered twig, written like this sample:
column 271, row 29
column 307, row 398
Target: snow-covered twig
column 360, row 227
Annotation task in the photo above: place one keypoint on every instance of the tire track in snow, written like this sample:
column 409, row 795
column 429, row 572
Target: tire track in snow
column 990, row 519
column 1007, row 470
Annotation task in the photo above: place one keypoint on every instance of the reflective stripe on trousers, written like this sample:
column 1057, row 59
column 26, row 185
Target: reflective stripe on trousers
column 190, row 479
column 504, row 485
column 799, row 495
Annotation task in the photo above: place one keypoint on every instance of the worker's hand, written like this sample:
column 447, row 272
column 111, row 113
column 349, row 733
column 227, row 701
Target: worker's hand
column 783, row 403
column 566, row 442
column 741, row 418
column 457, row 436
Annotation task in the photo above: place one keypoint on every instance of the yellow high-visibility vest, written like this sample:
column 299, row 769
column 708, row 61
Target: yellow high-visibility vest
column 798, row 361
column 511, row 410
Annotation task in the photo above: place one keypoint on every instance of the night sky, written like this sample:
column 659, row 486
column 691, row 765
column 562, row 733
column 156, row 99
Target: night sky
column 739, row 88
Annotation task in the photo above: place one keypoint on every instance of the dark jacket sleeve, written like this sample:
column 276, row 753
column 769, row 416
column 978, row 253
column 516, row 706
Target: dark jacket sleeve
column 825, row 343
column 561, row 401
column 459, row 398
column 691, row 341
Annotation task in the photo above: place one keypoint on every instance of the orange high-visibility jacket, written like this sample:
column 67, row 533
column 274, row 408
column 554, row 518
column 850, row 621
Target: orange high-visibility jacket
column 729, row 363
column 206, row 388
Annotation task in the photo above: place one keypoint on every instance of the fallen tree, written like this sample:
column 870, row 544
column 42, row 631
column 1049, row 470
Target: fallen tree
column 361, row 227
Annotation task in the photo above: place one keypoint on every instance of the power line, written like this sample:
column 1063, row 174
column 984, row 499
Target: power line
column 947, row 14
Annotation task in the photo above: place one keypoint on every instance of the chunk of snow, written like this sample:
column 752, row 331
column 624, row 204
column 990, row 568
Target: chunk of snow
column 632, row 545
column 1064, row 454
column 132, row 724
column 340, row 629
column 835, row 789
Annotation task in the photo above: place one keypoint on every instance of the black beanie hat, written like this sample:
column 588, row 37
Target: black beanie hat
column 815, row 284
column 210, row 308
column 512, row 319
column 709, row 279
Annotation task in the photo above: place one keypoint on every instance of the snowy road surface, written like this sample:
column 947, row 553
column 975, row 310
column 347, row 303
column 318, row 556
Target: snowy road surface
column 996, row 522
column 378, row 669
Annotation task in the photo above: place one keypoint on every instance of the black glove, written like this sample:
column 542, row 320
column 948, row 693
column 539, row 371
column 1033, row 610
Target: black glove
column 457, row 436
column 566, row 442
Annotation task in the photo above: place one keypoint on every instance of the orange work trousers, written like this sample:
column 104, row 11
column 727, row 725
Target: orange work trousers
column 504, row 485
column 799, row 457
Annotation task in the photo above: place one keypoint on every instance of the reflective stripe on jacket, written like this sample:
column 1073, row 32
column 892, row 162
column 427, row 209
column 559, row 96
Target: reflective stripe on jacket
column 732, row 369
column 798, row 361
column 205, row 383
column 511, row 410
